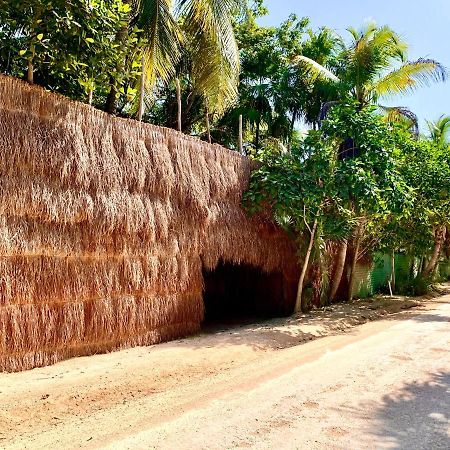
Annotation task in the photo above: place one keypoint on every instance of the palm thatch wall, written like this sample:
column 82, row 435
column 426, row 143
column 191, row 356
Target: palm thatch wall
column 105, row 226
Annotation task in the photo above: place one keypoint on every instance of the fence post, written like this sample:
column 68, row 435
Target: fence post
column 177, row 84
column 141, row 92
column 240, row 143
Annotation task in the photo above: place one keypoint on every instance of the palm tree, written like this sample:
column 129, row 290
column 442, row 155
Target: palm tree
column 208, row 27
column 374, row 66
column 317, row 84
column 440, row 131
column 198, row 30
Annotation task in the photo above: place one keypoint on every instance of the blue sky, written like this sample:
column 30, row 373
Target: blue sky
column 424, row 24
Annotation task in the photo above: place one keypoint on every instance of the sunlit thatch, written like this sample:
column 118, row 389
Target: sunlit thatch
column 105, row 225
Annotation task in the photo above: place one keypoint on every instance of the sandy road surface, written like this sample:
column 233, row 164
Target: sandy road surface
column 384, row 384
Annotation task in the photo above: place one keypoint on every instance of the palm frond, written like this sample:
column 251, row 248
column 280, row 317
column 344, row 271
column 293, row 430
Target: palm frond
column 363, row 34
column 372, row 51
column 409, row 77
column 214, row 78
column 214, row 52
column 402, row 116
column 389, row 43
column 440, row 130
column 314, row 69
column 164, row 37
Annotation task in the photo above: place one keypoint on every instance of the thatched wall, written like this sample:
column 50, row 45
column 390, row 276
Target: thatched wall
column 105, row 225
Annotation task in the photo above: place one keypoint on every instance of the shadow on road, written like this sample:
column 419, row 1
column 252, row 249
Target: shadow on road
column 418, row 417
column 431, row 318
column 279, row 333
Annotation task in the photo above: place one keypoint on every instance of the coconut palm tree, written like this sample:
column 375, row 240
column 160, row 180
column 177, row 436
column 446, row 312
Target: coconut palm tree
column 208, row 27
column 371, row 67
column 440, row 131
column 374, row 66
column 202, row 29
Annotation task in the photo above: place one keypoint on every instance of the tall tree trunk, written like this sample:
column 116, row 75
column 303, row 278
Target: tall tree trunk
column 30, row 74
column 412, row 268
column 339, row 269
column 258, row 127
column 111, row 99
column 357, row 246
column 110, row 104
column 177, row 84
column 141, row 91
column 421, row 265
column 300, row 303
column 291, row 130
column 439, row 241
column 90, row 96
column 30, row 68
column 208, row 126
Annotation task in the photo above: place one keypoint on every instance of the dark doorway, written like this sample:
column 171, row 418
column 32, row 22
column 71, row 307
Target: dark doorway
column 237, row 294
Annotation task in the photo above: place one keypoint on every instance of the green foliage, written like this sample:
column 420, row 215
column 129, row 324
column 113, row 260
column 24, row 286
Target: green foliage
column 371, row 181
column 276, row 88
column 70, row 44
column 353, row 171
column 163, row 38
column 418, row 286
column 213, row 50
column 84, row 45
column 229, row 65
column 313, row 182
column 440, row 131
column 394, row 189
column 374, row 65
column 426, row 168
column 295, row 185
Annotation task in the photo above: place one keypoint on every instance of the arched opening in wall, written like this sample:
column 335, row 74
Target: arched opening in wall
column 239, row 294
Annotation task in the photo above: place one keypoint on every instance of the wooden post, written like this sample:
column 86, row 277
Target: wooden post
column 208, row 126
column 30, row 75
column 177, row 83
column 141, row 92
column 240, row 140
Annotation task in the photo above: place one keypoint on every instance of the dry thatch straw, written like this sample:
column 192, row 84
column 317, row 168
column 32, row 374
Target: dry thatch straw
column 106, row 225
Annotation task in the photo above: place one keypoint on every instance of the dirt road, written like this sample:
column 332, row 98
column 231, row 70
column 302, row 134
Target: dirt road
column 385, row 384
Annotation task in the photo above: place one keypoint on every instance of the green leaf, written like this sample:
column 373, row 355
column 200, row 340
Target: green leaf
column 40, row 36
column 22, row 52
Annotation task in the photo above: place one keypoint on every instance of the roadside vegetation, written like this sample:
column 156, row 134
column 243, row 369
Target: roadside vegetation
column 360, row 178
